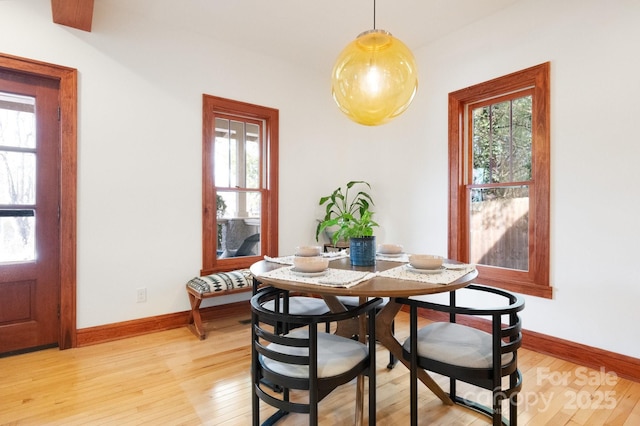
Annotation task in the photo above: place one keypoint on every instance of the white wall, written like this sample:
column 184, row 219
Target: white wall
column 139, row 151
column 592, row 46
column 140, row 141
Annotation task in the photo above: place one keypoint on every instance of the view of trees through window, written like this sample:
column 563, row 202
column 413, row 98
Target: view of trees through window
column 501, row 174
column 17, row 178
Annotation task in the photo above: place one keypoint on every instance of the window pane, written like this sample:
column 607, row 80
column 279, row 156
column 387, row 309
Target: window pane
column 17, row 121
column 500, row 142
column 481, row 137
column 17, row 239
column 238, row 223
column 499, row 227
column 252, row 156
column 237, row 165
column 224, row 153
column 501, row 138
column 237, row 154
column 17, row 178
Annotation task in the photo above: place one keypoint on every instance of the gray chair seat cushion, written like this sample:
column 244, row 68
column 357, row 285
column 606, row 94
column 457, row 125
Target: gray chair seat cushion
column 302, row 305
column 456, row 344
column 336, row 355
column 355, row 301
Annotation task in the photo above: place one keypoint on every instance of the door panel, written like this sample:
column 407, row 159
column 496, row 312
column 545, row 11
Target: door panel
column 29, row 200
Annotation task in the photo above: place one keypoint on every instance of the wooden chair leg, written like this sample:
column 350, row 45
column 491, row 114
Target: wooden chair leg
column 195, row 320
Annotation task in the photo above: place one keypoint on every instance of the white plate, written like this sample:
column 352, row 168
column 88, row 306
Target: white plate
column 309, row 274
column 390, row 254
column 426, row 271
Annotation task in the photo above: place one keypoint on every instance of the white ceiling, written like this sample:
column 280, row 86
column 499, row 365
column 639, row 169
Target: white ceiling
column 311, row 32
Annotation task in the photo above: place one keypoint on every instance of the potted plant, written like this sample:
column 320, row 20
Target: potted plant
column 353, row 221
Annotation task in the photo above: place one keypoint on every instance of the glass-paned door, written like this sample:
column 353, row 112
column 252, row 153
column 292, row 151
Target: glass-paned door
column 29, row 212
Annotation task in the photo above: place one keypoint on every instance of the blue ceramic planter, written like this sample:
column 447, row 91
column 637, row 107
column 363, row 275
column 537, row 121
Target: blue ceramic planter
column 363, row 251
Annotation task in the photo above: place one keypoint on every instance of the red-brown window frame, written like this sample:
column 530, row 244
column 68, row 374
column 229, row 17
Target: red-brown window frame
column 213, row 106
column 535, row 281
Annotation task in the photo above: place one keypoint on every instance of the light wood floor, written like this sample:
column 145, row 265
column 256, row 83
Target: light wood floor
column 171, row 378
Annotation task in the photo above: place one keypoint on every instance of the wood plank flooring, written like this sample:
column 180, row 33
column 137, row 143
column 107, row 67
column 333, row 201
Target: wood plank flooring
column 172, row 378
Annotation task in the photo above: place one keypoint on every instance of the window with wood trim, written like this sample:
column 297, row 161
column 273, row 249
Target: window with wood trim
column 239, row 184
column 499, row 173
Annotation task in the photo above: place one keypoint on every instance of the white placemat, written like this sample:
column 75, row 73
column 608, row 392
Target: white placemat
column 332, row 277
column 447, row 275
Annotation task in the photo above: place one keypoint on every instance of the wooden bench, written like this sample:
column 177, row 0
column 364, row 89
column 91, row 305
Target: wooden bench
column 218, row 284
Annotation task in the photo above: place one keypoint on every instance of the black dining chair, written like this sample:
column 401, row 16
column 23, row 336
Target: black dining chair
column 306, row 360
column 468, row 354
column 294, row 304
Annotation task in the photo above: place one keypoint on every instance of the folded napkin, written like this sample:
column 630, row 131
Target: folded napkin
column 284, row 260
column 404, row 257
column 347, row 280
column 336, row 254
column 456, row 266
column 288, row 260
column 445, row 276
column 331, row 277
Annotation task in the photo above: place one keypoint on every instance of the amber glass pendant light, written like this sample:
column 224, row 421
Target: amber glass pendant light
column 375, row 77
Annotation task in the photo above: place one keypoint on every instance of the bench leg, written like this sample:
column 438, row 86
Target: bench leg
column 195, row 320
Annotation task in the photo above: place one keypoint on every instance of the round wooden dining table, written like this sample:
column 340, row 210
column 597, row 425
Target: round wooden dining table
column 375, row 287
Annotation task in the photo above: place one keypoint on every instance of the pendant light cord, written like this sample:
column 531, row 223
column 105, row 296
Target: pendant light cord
column 374, row 14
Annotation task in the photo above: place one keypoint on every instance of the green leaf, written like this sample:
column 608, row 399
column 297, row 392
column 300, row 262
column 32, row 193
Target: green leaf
column 352, row 215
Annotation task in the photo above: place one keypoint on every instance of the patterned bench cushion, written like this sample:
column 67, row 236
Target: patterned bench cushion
column 221, row 281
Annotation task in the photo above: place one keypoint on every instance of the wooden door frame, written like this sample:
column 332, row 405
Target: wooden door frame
column 68, row 78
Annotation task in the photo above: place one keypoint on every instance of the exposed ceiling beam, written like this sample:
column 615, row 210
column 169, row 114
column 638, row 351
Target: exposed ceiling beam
column 73, row 13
